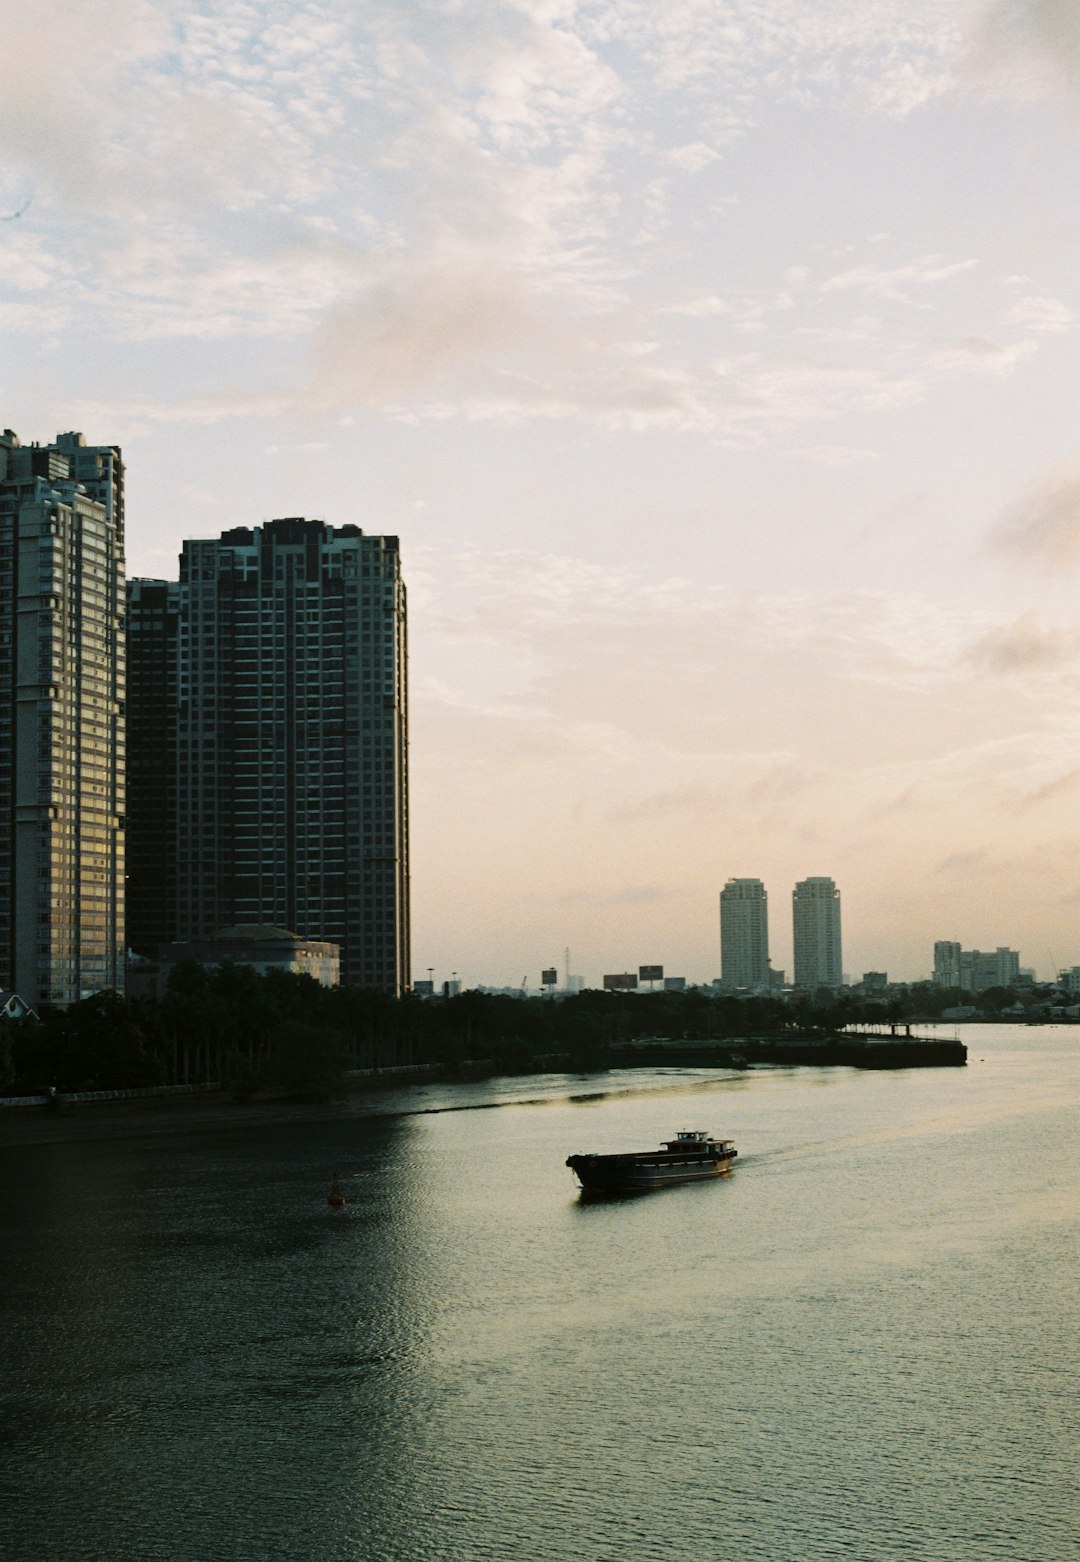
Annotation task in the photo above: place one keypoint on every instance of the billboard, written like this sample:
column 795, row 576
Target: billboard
column 549, row 977
column 624, row 982
column 650, row 973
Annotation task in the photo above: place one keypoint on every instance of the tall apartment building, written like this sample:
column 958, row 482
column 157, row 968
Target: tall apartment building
column 816, row 927
column 61, row 718
column 290, row 744
column 744, row 934
column 947, row 958
column 983, row 968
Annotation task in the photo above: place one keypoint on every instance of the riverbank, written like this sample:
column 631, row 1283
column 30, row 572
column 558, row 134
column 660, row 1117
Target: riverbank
column 847, row 1050
column 210, row 1110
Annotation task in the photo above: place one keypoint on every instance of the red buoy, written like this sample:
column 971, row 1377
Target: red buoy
column 337, row 1198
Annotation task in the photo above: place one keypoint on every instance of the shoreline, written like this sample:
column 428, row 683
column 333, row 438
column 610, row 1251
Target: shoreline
column 205, row 1111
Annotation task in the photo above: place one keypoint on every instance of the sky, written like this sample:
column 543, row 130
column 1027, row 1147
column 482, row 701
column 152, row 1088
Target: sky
column 716, row 364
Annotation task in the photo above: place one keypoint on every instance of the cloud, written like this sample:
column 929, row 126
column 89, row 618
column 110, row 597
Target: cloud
column 894, row 283
column 626, row 895
column 961, row 862
column 699, row 802
column 433, row 210
column 1042, row 529
column 883, row 54
column 1047, row 315
column 785, row 727
column 398, row 335
column 1025, row 645
column 693, row 157
column 1030, row 48
column 1059, row 786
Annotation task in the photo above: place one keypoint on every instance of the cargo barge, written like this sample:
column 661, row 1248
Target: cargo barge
column 691, row 1156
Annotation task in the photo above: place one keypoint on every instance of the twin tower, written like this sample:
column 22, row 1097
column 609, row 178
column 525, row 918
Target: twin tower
column 744, row 935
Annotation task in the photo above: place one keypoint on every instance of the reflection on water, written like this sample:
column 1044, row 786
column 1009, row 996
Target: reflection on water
column 859, row 1344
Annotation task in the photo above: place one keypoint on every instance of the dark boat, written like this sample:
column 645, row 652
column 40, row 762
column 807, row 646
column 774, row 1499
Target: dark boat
column 690, row 1157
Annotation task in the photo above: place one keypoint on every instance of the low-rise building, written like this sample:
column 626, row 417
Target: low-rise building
column 266, row 948
column 12, row 1007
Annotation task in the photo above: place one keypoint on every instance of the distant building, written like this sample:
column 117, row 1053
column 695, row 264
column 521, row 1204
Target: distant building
column 974, row 970
column 875, row 981
column 265, row 948
column 815, row 907
column 1070, row 979
column 979, row 970
column 744, row 934
column 61, row 718
column 947, row 955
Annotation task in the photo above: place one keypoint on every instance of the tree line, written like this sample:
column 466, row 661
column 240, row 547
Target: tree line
column 284, row 1034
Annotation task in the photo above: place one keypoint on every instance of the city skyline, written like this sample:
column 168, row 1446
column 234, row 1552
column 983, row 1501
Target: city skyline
column 716, row 370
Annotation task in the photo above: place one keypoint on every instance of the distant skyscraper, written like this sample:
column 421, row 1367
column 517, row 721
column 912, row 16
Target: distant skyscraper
column 291, row 804
column 816, row 926
column 744, row 934
column 947, row 955
column 61, row 718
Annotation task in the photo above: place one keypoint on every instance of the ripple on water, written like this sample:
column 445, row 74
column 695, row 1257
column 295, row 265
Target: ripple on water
column 861, row 1345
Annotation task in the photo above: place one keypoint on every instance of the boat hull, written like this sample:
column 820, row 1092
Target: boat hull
column 640, row 1174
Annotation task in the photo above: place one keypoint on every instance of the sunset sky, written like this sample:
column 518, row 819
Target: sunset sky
column 716, row 364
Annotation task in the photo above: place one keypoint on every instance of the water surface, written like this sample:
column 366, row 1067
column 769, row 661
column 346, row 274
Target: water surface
column 862, row 1344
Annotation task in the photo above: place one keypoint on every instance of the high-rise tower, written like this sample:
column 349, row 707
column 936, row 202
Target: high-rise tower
column 744, row 934
column 947, row 963
column 291, row 759
column 61, row 718
column 152, row 645
column 816, row 926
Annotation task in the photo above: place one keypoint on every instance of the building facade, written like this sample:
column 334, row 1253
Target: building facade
column 290, row 733
column 62, row 740
column 744, row 934
column 974, row 970
column 152, row 643
column 816, row 929
column 947, row 960
column 982, row 968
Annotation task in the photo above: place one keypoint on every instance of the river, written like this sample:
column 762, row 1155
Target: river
column 863, row 1344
